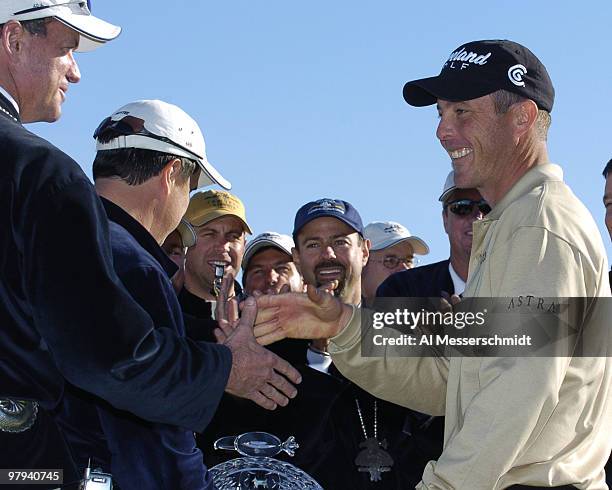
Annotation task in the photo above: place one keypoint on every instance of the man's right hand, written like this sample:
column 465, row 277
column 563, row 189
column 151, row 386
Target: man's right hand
column 314, row 315
column 257, row 374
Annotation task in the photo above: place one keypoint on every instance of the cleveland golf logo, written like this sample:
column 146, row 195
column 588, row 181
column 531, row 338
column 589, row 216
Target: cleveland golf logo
column 516, row 74
column 465, row 57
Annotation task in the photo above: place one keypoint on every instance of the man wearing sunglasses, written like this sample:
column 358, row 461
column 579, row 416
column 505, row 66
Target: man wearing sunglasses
column 460, row 208
column 512, row 422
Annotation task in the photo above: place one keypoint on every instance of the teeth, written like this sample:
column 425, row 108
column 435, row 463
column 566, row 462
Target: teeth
column 219, row 262
column 330, row 271
column 461, row 152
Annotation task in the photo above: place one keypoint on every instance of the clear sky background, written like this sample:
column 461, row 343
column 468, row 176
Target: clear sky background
column 303, row 100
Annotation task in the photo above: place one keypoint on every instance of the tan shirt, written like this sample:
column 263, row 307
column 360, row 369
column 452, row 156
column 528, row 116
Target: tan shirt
column 535, row 421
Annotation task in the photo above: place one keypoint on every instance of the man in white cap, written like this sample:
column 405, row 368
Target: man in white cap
column 267, row 265
column 144, row 187
column 68, row 320
column 460, row 208
column 392, row 250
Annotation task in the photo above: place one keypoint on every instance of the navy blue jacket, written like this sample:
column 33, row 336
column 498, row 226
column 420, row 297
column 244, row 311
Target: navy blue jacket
column 427, row 281
column 138, row 453
column 64, row 313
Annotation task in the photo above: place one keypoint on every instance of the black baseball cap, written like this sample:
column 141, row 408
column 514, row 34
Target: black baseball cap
column 479, row 68
column 334, row 208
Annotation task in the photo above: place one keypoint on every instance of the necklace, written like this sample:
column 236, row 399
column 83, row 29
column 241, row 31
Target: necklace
column 373, row 458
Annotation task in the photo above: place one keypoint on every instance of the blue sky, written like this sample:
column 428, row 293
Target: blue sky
column 302, row 100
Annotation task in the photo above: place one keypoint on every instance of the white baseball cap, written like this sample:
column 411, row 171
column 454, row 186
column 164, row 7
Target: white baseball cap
column 157, row 125
column 267, row 239
column 449, row 186
column 384, row 234
column 75, row 14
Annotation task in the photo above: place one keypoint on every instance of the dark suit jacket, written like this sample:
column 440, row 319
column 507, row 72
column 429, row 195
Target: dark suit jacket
column 427, row 281
column 71, row 318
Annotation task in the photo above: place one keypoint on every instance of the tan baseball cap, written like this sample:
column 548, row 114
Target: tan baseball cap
column 207, row 206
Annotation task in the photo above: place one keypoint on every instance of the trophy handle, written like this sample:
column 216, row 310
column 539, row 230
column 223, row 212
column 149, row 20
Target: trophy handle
column 289, row 446
column 225, row 443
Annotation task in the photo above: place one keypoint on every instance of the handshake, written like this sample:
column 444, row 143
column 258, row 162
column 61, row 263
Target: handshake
column 258, row 374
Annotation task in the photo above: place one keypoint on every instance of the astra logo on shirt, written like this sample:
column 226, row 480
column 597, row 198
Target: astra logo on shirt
column 465, row 57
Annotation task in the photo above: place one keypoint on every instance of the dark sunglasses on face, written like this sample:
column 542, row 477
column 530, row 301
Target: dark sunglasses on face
column 465, row 207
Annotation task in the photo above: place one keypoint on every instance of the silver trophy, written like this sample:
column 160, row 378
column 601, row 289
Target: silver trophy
column 256, row 469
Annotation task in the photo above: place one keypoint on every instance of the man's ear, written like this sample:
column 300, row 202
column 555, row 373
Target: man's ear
column 170, row 174
column 524, row 116
column 12, row 38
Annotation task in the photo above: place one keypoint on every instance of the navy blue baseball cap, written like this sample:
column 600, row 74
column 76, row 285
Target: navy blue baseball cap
column 333, row 208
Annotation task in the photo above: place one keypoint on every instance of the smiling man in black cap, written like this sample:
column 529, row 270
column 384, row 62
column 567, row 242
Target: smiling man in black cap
column 514, row 422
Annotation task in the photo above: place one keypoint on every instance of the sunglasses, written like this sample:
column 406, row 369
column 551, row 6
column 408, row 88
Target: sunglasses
column 465, row 207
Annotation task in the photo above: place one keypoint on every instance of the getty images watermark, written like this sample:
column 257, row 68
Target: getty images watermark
column 485, row 327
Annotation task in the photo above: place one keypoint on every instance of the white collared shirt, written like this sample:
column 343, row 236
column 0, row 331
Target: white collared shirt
column 9, row 97
column 458, row 283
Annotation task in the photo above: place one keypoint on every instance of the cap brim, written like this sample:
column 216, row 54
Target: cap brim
column 427, row 91
column 210, row 176
column 313, row 217
column 447, row 193
column 248, row 255
column 94, row 31
column 418, row 245
column 187, row 233
column 219, row 214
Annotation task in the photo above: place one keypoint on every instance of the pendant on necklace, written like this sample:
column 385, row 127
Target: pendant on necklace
column 373, row 458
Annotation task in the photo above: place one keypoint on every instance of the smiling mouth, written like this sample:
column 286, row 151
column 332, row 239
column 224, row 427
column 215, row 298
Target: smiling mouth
column 329, row 273
column 459, row 153
column 219, row 263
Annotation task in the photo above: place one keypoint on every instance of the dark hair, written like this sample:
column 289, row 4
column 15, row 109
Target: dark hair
column 36, row 27
column 135, row 166
column 608, row 168
column 502, row 100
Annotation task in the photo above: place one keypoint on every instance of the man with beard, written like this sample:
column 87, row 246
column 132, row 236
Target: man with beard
column 330, row 252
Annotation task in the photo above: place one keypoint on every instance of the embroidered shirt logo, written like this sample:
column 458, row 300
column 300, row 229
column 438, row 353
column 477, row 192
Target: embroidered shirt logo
column 516, row 74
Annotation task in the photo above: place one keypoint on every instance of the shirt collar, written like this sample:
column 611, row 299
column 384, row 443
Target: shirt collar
column 9, row 98
column 458, row 283
column 535, row 177
column 141, row 235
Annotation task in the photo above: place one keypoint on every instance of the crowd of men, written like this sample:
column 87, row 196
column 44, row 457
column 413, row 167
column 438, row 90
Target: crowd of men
column 144, row 348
